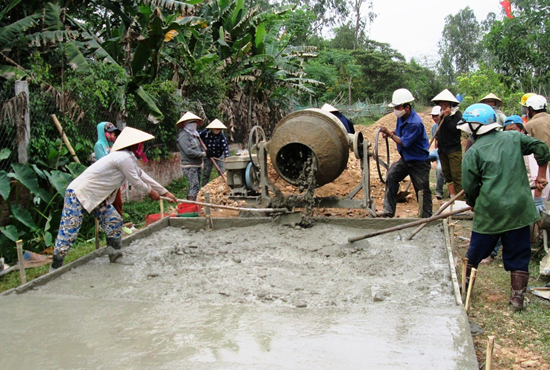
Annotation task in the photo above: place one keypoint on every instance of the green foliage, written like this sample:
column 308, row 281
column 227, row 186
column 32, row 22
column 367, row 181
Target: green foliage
column 460, row 46
column 521, row 46
column 36, row 220
column 172, row 106
column 480, row 83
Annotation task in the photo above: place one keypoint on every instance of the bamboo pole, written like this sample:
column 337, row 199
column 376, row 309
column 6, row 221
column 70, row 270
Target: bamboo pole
column 470, row 287
column 161, row 201
column 22, row 274
column 439, row 211
column 64, row 138
column 229, row 207
column 405, row 226
column 489, row 355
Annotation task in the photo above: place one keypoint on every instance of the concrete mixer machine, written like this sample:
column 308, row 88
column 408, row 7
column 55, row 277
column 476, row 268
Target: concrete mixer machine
column 308, row 149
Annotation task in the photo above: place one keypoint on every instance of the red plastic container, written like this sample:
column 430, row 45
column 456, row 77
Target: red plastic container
column 188, row 208
column 149, row 219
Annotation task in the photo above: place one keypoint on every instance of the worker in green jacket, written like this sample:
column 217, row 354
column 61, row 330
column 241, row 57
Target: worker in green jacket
column 495, row 185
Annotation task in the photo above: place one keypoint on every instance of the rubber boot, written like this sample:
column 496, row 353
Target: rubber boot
column 518, row 280
column 57, row 262
column 114, row 249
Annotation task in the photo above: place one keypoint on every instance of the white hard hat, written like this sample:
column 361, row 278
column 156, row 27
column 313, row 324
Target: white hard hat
column 189, row 117
column 329, row 108
column 216, row 125
column 130, row 136
column 400, row 97
column 537, row 102
column 445, row 95
column 436, row 111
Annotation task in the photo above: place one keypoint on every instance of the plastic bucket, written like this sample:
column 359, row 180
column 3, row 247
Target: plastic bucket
column 149, row 219
column 188, row 208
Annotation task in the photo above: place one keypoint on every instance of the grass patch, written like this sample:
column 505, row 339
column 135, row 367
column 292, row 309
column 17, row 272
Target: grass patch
column 520, row 336
column 12, row 280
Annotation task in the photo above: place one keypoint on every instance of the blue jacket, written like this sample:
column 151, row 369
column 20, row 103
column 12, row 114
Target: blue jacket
column 413, row 137
column 346, row 122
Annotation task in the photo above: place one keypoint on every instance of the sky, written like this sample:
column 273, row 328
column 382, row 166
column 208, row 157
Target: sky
column 414, row 27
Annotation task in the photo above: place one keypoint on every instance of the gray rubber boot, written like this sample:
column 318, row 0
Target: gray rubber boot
column 57, row 262
column 114, row 249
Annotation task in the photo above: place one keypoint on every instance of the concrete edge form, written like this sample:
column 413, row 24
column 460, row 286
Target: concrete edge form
column 452, row 265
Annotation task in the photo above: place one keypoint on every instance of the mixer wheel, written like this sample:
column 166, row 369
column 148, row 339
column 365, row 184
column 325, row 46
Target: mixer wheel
column 256, row 136
column 251, row 178
column 382, row 159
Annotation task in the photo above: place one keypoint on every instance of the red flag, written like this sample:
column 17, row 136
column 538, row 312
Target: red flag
column 507, row 8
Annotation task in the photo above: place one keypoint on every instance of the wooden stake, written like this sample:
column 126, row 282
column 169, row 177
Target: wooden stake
column 22, row 274
column 439, row 211
column 420, row 202
column 209, row 225
column 161, row 201
column 489, row 355
column 464, row 268
column 405, row 226
column 470, row 286
column 65, row 139
column 96, row 233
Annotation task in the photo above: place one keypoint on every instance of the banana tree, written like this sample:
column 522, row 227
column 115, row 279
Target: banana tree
column 133, row 38
column 36, row 220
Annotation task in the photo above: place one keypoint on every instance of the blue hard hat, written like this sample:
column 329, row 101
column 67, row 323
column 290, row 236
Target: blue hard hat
column 479, row 113
column 513, row 119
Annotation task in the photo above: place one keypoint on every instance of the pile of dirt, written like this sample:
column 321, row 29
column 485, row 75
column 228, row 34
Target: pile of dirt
column 342, row 186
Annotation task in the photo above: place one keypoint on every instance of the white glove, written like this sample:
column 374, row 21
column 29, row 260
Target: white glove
column 539, row 203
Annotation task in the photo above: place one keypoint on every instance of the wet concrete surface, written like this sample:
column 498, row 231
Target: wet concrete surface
column 258, row 297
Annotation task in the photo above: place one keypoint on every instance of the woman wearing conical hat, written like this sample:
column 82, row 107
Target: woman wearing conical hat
column 191, row 152
column 94, row 189
column 496, row 103
column 217, row 148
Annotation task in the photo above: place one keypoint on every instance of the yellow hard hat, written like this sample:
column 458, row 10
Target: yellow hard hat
column 525, row 97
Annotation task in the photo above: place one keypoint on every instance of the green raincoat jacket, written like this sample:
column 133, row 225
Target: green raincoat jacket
column 495, row 180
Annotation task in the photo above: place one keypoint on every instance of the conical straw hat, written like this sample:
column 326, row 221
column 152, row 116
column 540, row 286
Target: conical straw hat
column 329, row 108
column 445, row 95
column 216, row 124
column 492, row 96
column 189, row 117
column 130, row 136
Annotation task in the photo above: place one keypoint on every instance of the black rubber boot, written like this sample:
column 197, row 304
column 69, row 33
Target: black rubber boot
column 518, row 280
column 57, row 262
column 114, row 249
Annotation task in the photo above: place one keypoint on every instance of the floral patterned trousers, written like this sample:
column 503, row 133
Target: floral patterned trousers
column 71, row 221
